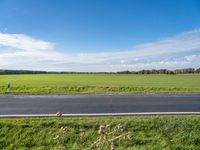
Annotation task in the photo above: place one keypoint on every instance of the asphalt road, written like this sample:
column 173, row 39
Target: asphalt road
column 98, row 104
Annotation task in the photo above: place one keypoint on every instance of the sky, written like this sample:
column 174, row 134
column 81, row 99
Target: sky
column 99, row 35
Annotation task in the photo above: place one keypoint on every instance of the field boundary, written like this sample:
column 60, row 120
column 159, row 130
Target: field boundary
column 91, row 95
column 97, row 114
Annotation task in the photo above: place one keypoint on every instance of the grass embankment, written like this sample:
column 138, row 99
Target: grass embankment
column 164, row 132
column 100, row 84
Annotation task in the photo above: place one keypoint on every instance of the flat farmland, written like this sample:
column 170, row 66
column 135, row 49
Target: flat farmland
column 100, row 84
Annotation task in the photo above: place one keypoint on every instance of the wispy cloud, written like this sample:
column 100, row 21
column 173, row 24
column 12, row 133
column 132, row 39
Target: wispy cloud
column 182, row 50
column 23, row 42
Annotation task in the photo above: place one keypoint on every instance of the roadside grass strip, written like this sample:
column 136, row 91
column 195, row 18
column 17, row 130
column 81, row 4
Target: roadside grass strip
column 139, row 132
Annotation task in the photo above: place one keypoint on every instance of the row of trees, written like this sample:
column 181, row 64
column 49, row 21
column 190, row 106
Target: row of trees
column 162, row 71
column 153, row 71
column 21, row 72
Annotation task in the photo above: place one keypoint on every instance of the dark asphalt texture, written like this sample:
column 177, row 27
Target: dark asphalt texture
column 98, row 104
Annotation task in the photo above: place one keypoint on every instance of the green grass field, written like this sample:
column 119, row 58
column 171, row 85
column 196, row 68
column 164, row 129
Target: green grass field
column 100, row 84
column 155, row 132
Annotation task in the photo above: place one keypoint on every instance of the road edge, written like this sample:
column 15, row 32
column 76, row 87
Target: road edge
column 97, row 114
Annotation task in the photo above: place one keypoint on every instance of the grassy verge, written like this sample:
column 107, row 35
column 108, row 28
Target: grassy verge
column 100, row 84
column 156, row 132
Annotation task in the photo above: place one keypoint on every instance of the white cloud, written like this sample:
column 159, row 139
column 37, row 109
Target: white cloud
column 23, row 42
column 179, row 51
column 193, row 58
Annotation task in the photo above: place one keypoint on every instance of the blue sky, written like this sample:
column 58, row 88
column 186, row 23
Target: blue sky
column 99, row 35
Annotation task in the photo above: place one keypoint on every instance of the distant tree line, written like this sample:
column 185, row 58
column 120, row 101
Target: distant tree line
column 152, row 71
column 21, row 72
column 162, row 71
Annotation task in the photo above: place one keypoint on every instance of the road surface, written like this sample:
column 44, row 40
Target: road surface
column 94, row 104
